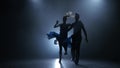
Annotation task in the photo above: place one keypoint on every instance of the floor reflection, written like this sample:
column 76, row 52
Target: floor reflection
column 57, row 64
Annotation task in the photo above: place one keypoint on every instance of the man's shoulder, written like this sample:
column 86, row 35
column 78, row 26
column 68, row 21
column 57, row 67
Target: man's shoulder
column 69, row 24
column 77, row 22
column 80, row 22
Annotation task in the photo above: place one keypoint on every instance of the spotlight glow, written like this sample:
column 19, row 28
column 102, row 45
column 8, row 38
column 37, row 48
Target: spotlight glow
column 35, row 1
column 96, row 1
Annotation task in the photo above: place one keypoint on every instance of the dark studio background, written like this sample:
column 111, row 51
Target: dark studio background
column 24, row 24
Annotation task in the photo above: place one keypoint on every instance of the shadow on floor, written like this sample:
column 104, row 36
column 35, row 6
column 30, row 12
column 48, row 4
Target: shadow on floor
column 82, row 66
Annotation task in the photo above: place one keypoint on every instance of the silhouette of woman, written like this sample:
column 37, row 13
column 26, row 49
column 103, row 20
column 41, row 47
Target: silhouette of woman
column 63, row 35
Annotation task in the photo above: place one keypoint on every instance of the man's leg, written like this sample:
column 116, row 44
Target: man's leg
column 77, row 55
column 77, row 51
column 73, row 50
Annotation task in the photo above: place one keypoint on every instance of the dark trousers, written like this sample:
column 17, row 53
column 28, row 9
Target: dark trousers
column 75, row 48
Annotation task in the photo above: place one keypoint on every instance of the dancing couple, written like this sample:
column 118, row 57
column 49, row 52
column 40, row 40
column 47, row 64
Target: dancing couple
column 63, row 38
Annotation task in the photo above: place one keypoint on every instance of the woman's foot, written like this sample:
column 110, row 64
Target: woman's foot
column 72, row 59
column 59, row 61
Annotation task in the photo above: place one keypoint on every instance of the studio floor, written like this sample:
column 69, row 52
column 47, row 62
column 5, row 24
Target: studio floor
column 54, row 63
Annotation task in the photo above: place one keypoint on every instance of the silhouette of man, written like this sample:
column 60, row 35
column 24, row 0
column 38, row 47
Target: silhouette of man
column 63, row 35
column 76, row 38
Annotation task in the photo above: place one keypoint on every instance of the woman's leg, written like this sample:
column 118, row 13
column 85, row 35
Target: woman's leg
column 65, row 48
column 60, row 52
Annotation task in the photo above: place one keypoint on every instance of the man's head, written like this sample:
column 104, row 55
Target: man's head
column 77, row 16
column 64, row 19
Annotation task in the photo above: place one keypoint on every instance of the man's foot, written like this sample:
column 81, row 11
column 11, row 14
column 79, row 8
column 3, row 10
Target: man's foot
column 76, row 62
